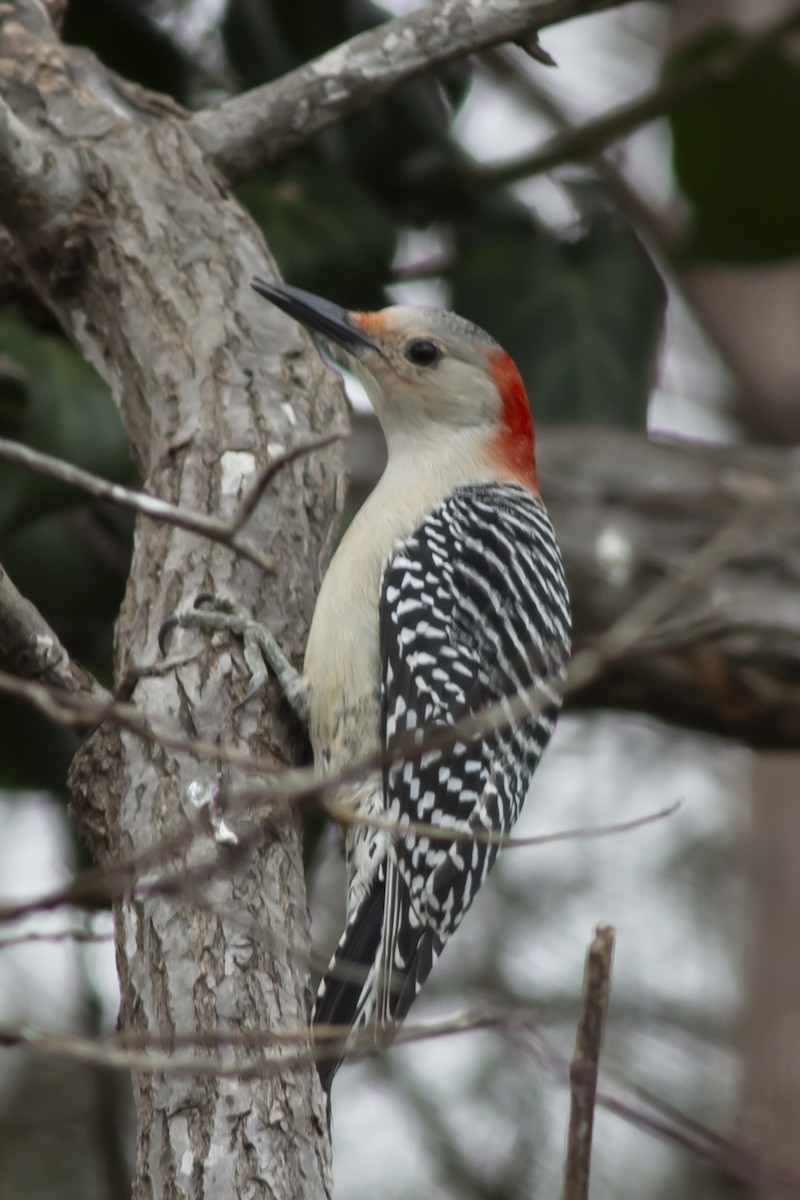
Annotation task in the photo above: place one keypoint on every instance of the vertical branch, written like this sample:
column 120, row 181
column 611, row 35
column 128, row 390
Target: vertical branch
column 584, row 1067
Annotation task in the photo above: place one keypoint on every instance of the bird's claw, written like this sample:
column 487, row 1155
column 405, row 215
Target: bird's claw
column 215, row 614
column 192, row 618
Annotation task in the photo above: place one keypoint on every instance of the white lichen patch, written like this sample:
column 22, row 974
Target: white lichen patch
column 237, row 467
column 201, row 795
column 223, row 834
column 289, row 413
column 206, row 795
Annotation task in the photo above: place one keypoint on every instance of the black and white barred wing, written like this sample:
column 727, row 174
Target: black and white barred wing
column 474, row 613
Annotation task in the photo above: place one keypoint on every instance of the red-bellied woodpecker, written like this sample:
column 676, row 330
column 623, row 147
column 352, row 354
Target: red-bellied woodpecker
column 445, row 598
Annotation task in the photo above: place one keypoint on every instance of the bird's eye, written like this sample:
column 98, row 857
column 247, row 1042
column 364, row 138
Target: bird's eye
column 423, row 353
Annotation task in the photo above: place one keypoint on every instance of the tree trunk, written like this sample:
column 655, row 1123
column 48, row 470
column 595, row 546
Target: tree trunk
column 128, row 236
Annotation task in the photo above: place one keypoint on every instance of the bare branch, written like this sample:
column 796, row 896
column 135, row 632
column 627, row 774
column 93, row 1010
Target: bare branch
column 592, row 137
column 661, row 230
column 34, row 649
column 303, row 786
column 254, row 129
column 32, row 179
column 585, row 1064
column 82, row 936
column 342, row 814
column 300, row 787
column 248, row 505
column 272, row 1051
column 152, row 507
column 95, row 887
column 659, row 1119
column 282, row 1050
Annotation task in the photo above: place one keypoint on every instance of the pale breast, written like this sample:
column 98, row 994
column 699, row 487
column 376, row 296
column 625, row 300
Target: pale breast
column 342, row 663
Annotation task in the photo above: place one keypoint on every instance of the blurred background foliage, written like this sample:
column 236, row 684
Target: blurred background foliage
column 386, row 197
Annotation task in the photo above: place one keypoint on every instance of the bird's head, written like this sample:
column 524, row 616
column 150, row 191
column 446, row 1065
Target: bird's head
column 427, row 372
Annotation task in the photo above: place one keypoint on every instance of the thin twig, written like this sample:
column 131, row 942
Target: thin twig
column 250, row 502
column 85, row 936
column 285, row 1050
column 214, row 528
column 662, row 230
column 279, row 1050
column 585, row 1065
column 659, row 1119
column 95, row 887
column 594, row 136
column 344, row 815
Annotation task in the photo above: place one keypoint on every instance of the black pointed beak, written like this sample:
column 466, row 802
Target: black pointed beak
column 315, row 313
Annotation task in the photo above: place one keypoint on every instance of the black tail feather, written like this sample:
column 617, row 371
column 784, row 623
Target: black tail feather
column 340, row 990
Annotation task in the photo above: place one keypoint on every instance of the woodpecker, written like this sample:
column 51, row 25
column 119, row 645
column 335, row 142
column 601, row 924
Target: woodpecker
column 445, row 597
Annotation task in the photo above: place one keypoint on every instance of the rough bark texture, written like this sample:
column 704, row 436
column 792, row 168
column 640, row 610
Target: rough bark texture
column 126, row 233
column 348, row 77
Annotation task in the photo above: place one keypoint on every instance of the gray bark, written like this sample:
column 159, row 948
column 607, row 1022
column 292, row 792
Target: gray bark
column 347, row 78
column 124, row 231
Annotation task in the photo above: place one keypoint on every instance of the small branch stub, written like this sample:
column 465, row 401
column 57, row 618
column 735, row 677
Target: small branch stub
column 584, row 1067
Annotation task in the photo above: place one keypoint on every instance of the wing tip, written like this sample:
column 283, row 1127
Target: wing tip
column 344, row 989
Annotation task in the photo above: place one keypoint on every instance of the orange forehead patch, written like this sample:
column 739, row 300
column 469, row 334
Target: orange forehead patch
column 515, row 442
column 373, row 324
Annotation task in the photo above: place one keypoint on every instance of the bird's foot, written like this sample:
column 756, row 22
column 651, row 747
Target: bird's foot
column 215, row 614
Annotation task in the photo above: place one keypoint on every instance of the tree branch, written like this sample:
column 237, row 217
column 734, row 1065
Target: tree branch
column 592, row 137
column 34, row 649
column 585, row 1065
column 254, row 129
column 33, row 180
column 156, row 509
column 139, row 273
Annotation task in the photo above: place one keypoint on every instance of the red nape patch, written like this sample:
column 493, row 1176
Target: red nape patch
column 515, row 442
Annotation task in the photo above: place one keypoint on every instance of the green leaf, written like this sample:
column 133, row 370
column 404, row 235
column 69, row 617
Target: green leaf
column 34, row 752
column 72, row 565
column 325, row 231
column 54, row 401
column 736, row 155
column 581, row 317
column 123, row 36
